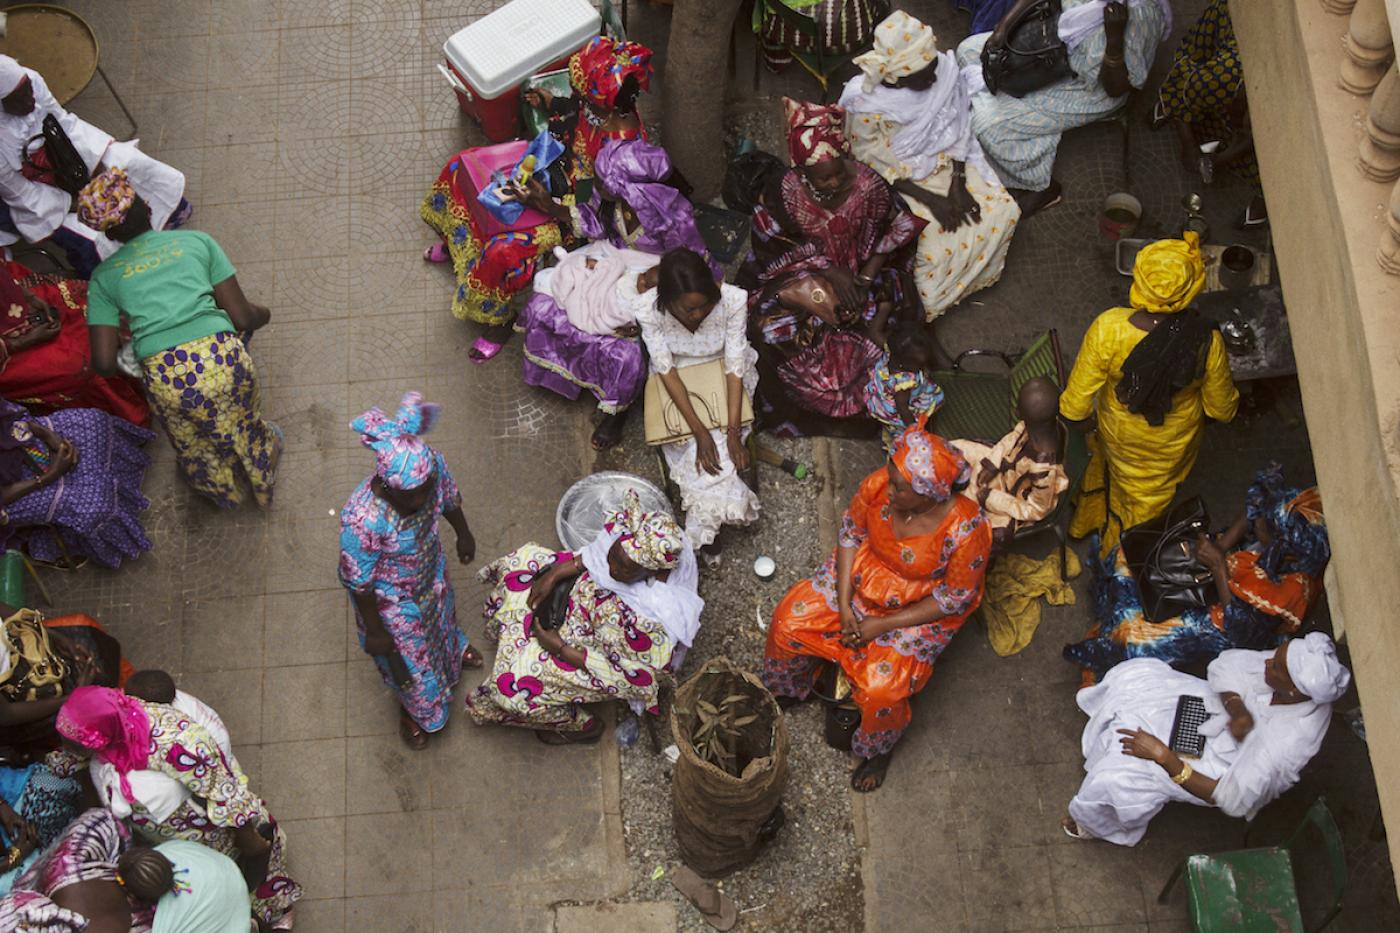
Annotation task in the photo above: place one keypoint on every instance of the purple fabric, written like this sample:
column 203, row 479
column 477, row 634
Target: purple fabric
column 96, row 507
column 564, row 359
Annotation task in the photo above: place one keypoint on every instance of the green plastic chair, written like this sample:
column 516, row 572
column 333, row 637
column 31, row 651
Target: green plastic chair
column 1252, row 890
column 821, row 65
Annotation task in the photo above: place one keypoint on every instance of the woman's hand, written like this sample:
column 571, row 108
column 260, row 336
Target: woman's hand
column 850, row 294
column 629, row 330
column 538, row 97
column 850, row 626
column 42, row 332
column 1144, row 745
column 1208, row 552
column 535, row 196
column 1241, row 723
column 965, row 206
column 466, row 547
column 738, row 453
column 63, row 459
column 539, row 590
column 1115, row 18
column 707, row 454
column 867, row 630
column 550, row 640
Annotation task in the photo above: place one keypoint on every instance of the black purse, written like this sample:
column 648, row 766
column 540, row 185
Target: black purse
column 61, row 161
column 1162, row 557
column 549, row 615
column 1033, row 56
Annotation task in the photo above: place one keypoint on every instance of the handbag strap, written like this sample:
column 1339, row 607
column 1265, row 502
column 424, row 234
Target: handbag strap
column 682, row 426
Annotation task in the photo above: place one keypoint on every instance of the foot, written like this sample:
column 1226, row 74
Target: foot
column 587, row 736
column 870, row 773
column 1033, row 202
column 608, row 433
column 1072, row 829
column 471, row 658
column 413, row 735
column 436, row 253
column 490, row 343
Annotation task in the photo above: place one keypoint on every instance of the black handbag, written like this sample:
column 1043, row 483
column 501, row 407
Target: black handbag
column 1033, row 56
column 549, row 615
column 1162, row 557
column 63, row 163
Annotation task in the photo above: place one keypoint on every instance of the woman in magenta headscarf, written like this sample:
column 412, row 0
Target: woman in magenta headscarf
column 391, row 561
column 217, row 809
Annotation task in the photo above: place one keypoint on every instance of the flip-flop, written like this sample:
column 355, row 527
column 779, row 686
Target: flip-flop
column 718, row 908
column 471, row 658
column 1076, row 833
column 483, row 350
column 436, row 253
column 413, row 735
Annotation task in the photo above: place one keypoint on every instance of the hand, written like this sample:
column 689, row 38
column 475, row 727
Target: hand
column 1241, row 723
column 629, row 330
column 63, row 459
column 1209, row 553
column 707, row 454
column 549, row 639
column 11, row 822
column 869, row 629
column 1115, row 17
column 850, row 294
column 964, row 204
column 544, row 584
column 379, row 643
column 466, row 548
column 538, row 97
column 38, row 333
column 943, row 211
column 1144, row 745
column 535, row 196
column 850, row 626
column 737, row 451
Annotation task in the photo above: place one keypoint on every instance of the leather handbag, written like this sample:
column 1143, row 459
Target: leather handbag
column 1162, row 557
column 1033, row 56
column 57, row 161
column 549, row 614
column 705, row 383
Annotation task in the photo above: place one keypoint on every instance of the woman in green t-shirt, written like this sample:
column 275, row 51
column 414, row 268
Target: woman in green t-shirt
column 189, row 319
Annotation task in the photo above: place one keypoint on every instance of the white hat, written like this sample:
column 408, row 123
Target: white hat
column 1314, row 668
column 11, row 74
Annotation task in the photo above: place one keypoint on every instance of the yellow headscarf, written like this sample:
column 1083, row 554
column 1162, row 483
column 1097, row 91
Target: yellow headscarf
column 903, row 46
column 1168, row 274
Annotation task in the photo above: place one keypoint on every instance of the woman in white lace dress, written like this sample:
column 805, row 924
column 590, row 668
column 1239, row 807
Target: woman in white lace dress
column 687, row 318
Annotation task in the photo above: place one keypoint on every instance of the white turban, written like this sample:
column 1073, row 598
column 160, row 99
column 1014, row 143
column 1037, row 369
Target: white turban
column 1314, row 669
column 902, row 46
column 11, row 74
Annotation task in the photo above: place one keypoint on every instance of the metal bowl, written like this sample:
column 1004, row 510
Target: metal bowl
column 582, row 508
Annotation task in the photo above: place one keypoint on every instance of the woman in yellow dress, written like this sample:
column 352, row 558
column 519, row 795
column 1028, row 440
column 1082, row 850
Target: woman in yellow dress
column 1152, row 373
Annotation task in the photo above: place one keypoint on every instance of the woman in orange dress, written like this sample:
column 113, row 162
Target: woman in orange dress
column 907, row 572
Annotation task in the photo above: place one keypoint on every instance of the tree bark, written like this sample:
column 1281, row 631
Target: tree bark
column 692, row 100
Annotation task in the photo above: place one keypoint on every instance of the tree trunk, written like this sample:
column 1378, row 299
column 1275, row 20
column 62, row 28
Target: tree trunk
column 692, row 100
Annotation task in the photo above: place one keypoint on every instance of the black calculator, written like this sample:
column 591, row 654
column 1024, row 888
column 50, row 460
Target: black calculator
column 1186, row 737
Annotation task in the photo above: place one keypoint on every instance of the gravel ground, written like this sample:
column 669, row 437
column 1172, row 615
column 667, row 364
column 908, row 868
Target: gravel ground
column 809, row 878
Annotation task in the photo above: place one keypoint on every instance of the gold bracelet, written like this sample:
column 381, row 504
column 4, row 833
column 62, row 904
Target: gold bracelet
column 1184, row 775
column 1109, row 60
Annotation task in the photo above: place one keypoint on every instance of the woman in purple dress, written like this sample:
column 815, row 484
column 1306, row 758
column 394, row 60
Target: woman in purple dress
column 70, row 483
column 578, row 333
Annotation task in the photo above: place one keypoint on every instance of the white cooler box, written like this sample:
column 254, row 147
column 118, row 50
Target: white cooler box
column 487, row 61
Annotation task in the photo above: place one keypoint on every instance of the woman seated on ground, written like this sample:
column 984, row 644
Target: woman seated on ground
column 70, row 484
column 909, row 118
column 842, row 27
column 690, row 319
column 1270, row 714
column 632, row 613
column 189, row 325
column 45, row 355
column 194, row 889
column 1150, row 374
column 37, row 802
column 1268, row 571
column 580, row 331
column 34, row 208
column 1111, row 48
column 606, row 77
column 901, row 391
column 831, row 257
column 212, row 806
column 74, row 886
column 42, row 661
column 1203, row 97
column 907, row 572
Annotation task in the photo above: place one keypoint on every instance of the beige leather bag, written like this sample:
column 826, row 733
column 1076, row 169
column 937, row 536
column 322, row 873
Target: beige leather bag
column 705, row 383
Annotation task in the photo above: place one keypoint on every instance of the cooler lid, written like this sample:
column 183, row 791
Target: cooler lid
column 503, row 48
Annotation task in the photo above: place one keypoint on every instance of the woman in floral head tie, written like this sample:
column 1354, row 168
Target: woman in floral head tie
column 632, row 614
column 907, row 572
column 147, row 742
column 392, row 562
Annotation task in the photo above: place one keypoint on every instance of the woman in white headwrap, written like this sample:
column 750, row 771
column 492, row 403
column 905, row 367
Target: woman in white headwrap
column 909, row 117
column 632, row 613
column 38, row 209
column 1269, row 713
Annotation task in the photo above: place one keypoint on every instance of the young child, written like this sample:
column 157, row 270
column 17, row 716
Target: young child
column 1018, row 481
column 900, row 390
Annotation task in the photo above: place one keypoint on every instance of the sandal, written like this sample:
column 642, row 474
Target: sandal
column 413, row 735
column 1073, row 829
column 718, row 908
column 276, row 459
column 608, row 433
column 483, row 350
column 436, row 253
column 586, row 736
column 870, row 768
column 471, row 658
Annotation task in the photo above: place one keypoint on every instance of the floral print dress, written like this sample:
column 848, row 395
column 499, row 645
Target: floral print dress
column 888, row 574
column 624, row 651
column 400, row 559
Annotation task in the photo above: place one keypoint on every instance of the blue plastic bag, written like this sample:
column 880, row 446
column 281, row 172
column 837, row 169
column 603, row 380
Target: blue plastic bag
column 545, row 148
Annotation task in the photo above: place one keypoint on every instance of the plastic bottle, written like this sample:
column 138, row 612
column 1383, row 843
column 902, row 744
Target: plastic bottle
column 526, row 171
column 627, row 731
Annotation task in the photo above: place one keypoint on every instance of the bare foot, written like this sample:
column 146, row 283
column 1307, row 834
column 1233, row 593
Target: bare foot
column 870, row 773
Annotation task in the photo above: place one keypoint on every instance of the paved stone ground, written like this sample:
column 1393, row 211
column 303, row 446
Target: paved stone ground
column 309, row 130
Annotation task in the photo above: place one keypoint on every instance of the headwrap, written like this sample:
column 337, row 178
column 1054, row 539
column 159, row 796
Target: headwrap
column 634, row 170
column 1298, row 531
column 11, row 74
column 110, row 723
column 104, row 201
column 903, row 46
column 815, row 132
column 1314, row 669
column 1168, row 275
column 929, row 463
column 402, row 459
column 649, row 539
column 597, row 70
